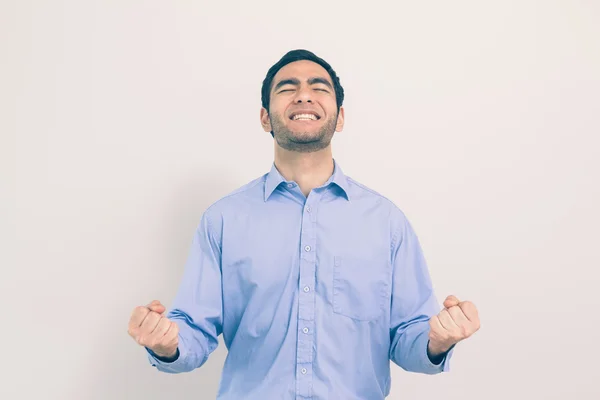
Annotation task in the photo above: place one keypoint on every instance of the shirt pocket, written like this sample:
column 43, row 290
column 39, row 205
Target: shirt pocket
column 360, row 287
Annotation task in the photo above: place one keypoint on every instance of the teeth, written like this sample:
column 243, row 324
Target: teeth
column 305, row 116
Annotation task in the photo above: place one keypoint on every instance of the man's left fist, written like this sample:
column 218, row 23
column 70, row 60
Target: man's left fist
column 457, row 321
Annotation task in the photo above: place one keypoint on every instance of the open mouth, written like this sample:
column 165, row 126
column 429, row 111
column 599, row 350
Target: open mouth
column 305, row 117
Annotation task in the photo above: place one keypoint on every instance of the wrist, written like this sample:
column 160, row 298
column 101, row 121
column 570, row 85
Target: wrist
column 167, row 356
column 435, row 349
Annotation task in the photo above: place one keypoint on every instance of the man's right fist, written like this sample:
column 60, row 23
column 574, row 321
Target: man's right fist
column 150, row 328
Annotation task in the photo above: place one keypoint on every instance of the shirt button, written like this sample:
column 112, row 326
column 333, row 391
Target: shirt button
column 306, row 289
column 305, row 330
column 308, row 209
column 290, row 185
column 303, row 370
column 307, row 248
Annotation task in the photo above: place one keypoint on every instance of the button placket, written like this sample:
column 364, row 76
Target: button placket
column 306, row 305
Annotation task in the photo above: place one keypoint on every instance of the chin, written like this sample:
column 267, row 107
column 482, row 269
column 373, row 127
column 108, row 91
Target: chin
column 307, row 136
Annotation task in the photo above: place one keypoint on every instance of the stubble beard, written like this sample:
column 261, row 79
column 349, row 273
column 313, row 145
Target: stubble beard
column 302, row 142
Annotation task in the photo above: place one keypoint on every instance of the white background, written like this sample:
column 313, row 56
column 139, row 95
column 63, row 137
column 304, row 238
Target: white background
column 121, row 121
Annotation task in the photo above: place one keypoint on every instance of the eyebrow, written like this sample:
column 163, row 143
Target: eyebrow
column 296, row 82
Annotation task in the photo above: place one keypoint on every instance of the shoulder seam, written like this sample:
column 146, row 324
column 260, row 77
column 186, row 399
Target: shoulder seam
column 368, row 189
column 236, row 192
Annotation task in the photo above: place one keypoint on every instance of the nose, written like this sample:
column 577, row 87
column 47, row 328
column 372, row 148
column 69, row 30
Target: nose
column 303, row 95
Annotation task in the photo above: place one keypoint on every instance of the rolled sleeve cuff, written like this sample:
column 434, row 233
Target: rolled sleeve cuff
column 173, row 366
column 428, row 366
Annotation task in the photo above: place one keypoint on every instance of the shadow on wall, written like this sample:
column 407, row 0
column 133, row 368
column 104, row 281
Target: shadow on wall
column 118, row 367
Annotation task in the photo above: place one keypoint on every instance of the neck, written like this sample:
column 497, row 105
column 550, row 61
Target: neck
column 308, row 170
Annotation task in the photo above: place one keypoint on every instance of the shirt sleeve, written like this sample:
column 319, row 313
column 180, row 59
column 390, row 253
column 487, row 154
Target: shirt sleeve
column 413, row 303
column 197, row 308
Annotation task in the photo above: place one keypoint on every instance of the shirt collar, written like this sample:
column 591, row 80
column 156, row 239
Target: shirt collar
column 274, row 179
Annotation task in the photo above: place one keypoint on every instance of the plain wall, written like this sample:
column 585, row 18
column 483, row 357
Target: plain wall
column 123, row 120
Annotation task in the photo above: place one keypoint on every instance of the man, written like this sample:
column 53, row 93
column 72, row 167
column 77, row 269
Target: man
column 315, row 281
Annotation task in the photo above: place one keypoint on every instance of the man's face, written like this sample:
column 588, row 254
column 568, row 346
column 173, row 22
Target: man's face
column 303, row 110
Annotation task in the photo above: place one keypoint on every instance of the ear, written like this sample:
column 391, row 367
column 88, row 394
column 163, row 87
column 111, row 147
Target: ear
column 265, row 120
column 339, row 126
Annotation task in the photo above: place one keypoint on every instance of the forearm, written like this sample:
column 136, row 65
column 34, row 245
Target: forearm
column 437, row 353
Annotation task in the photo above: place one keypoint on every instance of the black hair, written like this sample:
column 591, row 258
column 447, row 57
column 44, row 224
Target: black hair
column 297, row 55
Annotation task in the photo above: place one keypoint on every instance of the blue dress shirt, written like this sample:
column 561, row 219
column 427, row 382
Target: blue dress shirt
column 314, row 295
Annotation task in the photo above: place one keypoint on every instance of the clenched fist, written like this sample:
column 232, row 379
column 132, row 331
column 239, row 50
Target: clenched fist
column 457, row 321
column 150, row 328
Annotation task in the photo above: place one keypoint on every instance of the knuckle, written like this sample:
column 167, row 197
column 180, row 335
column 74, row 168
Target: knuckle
column 150, row 342
column 458, row 334
column 464, row 331
column 470, row 308
column 433, row 323
column 139, row 310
